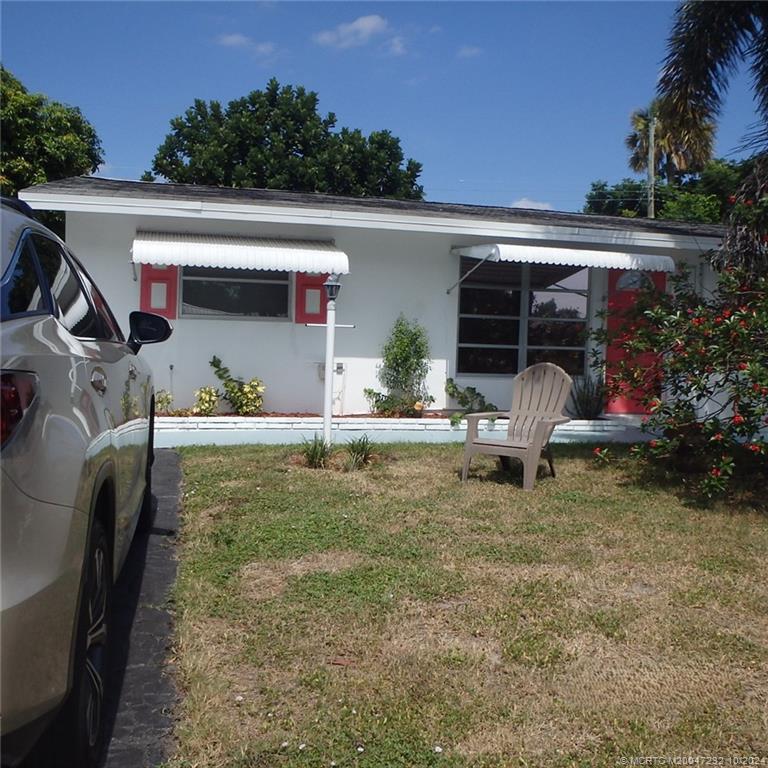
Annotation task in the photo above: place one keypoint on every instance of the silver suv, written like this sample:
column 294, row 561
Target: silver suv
column 77, row 423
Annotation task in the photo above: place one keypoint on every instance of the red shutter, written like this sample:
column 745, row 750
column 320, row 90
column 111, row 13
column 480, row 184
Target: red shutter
column 619, row 299
column 311, row 301
column 159, row 290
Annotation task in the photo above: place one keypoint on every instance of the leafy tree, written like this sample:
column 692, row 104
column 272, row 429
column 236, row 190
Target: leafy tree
column 43, row 140
column 678, row 148
column 276, row 139
column 629, row 197
column 691, row 206
column 706, row 196
column 700, row 367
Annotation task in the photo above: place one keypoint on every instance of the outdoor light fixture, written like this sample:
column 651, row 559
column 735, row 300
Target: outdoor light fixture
column 332, row 287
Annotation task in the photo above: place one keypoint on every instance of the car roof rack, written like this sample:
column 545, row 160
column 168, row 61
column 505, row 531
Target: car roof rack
column 18, row 205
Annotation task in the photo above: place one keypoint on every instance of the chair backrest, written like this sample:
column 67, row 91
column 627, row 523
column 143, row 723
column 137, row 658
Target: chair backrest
column 539, row 391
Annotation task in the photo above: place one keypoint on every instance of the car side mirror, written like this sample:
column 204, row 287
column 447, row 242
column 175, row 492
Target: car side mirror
column 147, row 328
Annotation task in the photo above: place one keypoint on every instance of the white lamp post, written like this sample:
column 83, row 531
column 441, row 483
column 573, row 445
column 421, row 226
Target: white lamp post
column 332, row 287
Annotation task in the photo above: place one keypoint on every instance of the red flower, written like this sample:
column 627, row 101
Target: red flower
column 738, row 419
column 754, row 447
column 743, row 366
column 715, row 472
column 718, row 436
column 726, row 313
column 731, row 199
column 597, row 451
column 653, row 443
column 748, row 202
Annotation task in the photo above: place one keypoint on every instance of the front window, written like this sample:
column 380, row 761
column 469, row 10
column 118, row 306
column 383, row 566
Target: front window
column 213, row 291
column 514, row 315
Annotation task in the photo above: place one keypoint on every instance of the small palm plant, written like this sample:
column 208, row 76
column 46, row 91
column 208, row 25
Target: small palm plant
column 316, row 452
column 360, row 451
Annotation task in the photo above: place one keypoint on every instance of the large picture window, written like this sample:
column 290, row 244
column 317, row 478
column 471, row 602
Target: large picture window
column 514, row 315
column 218, row 292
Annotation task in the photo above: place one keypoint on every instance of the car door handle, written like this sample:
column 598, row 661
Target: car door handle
column 99, row 381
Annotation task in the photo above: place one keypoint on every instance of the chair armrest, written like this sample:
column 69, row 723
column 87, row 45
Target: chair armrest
column 473, row 419
column 544, row 428
column 488, row 415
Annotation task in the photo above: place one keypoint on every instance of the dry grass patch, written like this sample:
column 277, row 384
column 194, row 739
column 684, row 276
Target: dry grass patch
column 395, row 617
column 266, row 579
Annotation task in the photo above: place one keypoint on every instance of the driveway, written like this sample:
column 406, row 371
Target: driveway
column 140, row 712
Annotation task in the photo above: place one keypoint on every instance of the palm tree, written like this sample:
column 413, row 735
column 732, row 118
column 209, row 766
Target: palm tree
column 707, row 42
column 679, row 148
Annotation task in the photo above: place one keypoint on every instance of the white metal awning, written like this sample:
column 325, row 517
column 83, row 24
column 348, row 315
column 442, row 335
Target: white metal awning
column 537, row 254
column 192, row 250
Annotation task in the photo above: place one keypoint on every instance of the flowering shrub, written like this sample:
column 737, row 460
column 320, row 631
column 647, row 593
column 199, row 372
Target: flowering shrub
column 163, row 400
column 206, row 401
column 602, row 456
column 246, row 398
column 703, row 377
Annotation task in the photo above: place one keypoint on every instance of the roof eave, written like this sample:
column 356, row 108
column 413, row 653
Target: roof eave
column 335, row 216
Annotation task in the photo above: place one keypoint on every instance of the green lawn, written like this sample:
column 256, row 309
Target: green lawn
column 395, row 617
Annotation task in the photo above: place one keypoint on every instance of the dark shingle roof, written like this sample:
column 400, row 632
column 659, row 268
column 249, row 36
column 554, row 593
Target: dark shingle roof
column 91, row 185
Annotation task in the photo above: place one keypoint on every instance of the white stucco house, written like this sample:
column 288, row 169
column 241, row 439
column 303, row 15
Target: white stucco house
column 239, row 273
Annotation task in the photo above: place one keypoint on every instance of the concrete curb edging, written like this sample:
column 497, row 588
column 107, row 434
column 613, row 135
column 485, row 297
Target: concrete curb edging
column 173, row 431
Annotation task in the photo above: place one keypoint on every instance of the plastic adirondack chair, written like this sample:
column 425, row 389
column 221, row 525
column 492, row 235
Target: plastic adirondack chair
column 539, row 395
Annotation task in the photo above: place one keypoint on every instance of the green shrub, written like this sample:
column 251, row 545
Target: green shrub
column 404, row 368
column 316, row 452
column 246, row 398
column 468, row 399
column 206, row 401
column 359, row 450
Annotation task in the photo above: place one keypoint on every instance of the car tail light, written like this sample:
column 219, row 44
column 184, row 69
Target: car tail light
column 18, row 391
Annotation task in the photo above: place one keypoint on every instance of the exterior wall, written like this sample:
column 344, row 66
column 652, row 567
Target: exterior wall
column 391, row 271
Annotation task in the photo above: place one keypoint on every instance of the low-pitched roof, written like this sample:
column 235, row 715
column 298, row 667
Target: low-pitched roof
column 100, row 187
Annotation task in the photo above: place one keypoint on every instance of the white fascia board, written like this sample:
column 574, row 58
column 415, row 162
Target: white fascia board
column 330, row 217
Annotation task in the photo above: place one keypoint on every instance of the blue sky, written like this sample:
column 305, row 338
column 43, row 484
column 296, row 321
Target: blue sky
column 502, row 102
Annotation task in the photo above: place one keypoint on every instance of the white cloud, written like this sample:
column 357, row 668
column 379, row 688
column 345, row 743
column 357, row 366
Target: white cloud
column 396, row 46
column 469, row 52
column 264, row 49
column 354, row 34
column 234, row 40
column 536, row 205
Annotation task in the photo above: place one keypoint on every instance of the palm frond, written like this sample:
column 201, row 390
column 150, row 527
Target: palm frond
column 708, row 40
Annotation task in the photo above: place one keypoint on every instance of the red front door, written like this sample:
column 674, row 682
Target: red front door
column 621, row 296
